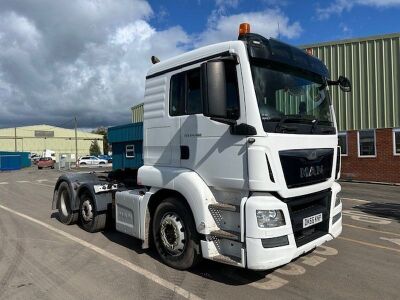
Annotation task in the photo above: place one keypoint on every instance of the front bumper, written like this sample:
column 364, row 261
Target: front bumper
column 261, row 258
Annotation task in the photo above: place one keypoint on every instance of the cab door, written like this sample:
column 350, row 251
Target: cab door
column 206, row 146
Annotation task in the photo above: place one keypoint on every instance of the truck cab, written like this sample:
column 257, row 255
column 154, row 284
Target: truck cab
column 241, row 156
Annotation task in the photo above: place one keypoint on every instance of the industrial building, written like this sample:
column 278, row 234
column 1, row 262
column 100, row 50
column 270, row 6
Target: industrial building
column 369, row 117
column 37, row 138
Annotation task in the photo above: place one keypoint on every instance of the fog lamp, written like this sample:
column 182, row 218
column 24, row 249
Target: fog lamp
column 270, row 218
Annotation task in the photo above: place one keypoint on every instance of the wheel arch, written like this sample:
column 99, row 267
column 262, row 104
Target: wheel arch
column 186, row 184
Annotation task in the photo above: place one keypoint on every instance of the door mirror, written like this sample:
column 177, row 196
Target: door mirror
column 213, row 81
column 344, row 84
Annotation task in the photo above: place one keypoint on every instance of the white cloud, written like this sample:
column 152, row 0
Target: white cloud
column 338, row 6
column 89, row 58
column 269, row 23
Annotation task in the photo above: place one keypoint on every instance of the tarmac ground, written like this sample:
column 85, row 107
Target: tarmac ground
column 42, row 258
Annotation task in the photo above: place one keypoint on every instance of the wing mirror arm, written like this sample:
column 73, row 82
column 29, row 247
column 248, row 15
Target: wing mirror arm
column 343, row 82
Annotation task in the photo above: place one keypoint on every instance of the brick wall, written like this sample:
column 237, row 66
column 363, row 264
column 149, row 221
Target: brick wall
column 385, row 167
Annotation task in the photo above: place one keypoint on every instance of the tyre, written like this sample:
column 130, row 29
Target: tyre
column 101, row 163
column 175, row 236
column 39, row 168
column 82, row 163
column 65, row 213
column 90, row 219
column 52, row 167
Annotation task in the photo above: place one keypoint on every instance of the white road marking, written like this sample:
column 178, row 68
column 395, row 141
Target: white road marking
column 151, row 276
column 273, row 283
column 41, row 180
column 364, row 217
column 22, row 181
column 396, row 241
column 291, row 269
column 313, row 260
column 357, row 200
column 373, row 230
column 325, row 250
column 3, row 182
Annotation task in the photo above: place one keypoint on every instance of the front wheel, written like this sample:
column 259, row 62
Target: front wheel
column 175, row 236
column 90, row 219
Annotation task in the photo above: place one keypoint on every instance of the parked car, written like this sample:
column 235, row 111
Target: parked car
column 106, row 157
column 45, row 162
column 35, row 158
column 91, row 160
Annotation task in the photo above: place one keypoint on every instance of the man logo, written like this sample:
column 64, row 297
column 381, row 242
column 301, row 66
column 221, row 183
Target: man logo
column 311, row 171
column 312, row 155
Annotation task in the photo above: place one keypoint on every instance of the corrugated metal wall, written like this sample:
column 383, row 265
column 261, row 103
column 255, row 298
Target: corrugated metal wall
column 125, row 133
column 373, row 66
column 137, row 113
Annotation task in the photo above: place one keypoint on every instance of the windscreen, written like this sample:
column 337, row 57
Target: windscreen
column 292, row 102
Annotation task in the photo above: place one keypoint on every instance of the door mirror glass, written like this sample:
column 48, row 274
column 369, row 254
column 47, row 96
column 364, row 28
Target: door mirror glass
column 214, row 94
column 344, row 84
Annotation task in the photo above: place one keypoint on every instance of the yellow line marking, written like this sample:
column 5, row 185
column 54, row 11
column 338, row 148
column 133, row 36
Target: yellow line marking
column 369, row 244
column 139, row 270
column 369, row 229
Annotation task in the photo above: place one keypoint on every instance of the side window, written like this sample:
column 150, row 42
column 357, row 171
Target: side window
column 130, row 151
column 232, row 91
column 193, row 93
column 185, row 93
column 177, row 95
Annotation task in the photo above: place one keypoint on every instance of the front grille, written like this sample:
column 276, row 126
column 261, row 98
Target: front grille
column 306, row 166
column 306, row 206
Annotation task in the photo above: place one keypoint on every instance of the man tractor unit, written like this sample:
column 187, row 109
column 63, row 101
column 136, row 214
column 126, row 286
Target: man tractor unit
column 240, row 159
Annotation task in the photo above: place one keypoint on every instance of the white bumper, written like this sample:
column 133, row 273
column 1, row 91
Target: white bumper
column 261, row 258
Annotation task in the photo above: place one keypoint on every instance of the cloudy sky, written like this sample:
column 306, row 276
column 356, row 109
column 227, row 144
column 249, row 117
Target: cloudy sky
column 89, row 58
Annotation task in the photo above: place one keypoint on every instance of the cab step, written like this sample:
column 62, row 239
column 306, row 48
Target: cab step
column 225, row 234
column 230, row 260
column 224, row 206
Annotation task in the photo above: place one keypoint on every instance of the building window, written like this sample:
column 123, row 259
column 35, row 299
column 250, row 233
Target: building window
column 130, row 151
column 396, row 141
column 366, row 143
column 342, row 140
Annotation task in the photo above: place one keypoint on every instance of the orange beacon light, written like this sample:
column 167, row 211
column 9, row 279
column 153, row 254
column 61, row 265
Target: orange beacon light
column 244, row 28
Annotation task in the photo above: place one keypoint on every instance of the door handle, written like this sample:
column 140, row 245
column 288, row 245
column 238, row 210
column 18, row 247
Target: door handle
column 185, row 152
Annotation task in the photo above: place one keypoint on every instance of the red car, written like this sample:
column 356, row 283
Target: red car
column 45, row 162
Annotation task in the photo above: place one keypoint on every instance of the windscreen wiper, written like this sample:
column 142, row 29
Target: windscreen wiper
column 280, row 127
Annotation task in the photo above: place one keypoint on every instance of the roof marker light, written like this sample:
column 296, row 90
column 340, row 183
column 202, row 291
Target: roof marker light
column 244, row 28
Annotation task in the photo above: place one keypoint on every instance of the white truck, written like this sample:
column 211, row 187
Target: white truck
column 241, row 159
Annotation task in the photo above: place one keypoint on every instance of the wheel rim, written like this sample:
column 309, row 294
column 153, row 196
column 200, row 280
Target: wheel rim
column 63, row 204
column 172, row 232
column 87, row 211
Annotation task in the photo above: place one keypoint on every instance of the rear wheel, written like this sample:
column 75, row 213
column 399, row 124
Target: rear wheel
column 82, row 163
column 90, row 219
column 175, row 236
column 65, row 213
column 39, row 168
column 102, row 163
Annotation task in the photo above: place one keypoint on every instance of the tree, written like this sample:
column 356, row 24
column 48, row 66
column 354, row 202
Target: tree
column 103, row 132
column 94, row 148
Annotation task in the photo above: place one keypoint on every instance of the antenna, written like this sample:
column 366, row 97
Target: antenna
column 154, row 60
column 279, row 31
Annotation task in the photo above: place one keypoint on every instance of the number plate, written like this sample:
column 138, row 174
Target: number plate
column 309, row 221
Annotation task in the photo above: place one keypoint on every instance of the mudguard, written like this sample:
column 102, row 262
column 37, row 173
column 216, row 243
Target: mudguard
column 80, row 183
